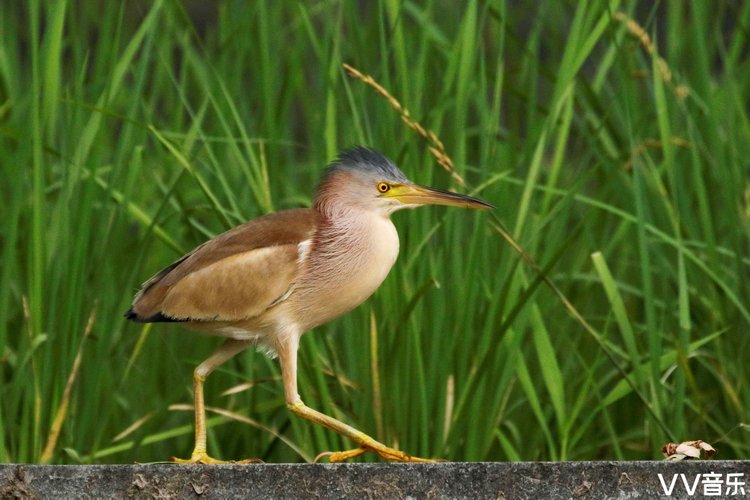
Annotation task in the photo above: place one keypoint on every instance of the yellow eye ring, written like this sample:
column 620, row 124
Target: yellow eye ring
column 384, row 187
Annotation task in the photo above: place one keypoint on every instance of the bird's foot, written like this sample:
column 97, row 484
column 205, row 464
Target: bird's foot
column 365, row 442
column 382, row 451
column 201, row 457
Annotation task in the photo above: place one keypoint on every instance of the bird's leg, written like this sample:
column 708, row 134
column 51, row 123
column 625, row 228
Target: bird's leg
column 227, row 350
column 287, row 350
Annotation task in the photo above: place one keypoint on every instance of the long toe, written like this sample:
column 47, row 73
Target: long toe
column 340, row 456
column 389, row 454
column 204, row 458
column 399, row 456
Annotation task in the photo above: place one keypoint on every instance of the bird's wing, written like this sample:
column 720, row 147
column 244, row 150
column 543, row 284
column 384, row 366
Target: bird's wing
column 235, row 276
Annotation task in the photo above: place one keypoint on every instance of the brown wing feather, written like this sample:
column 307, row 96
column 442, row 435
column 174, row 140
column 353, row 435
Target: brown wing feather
column 236, row 275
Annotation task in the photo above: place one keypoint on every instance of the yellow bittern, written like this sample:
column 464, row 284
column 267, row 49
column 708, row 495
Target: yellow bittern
column 270, row 280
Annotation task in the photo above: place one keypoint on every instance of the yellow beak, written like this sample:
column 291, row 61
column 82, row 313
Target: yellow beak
column 413, row 194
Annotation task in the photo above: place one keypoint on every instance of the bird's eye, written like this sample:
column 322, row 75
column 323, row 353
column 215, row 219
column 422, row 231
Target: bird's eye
column 384, row 187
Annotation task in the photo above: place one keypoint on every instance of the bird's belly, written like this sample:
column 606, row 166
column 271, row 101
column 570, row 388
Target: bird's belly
column 251, row 329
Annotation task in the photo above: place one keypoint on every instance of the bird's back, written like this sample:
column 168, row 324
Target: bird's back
column 234, row 276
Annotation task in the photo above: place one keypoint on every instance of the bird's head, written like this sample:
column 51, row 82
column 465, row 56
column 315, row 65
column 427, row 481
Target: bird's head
column 363, row 179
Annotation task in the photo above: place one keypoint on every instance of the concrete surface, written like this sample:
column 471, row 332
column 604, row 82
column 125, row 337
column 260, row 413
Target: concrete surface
column 525, row 480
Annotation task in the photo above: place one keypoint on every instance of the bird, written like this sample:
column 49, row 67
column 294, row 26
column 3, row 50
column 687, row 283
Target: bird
column 270, row 280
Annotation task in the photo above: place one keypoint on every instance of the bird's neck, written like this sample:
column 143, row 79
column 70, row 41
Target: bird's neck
column 354, row 232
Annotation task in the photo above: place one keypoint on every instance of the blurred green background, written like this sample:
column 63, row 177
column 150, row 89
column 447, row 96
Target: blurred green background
column 613, row 137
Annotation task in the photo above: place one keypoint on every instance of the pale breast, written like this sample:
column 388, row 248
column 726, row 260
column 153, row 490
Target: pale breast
column 344, row 268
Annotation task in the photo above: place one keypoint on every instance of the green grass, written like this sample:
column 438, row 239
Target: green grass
column 131, row 135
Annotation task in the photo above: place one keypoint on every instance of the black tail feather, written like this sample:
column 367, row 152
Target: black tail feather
column 155, row 318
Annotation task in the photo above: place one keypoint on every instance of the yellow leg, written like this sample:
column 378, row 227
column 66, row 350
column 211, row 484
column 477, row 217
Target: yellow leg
column 224, row 353
column 365, row 442
column 288, row 360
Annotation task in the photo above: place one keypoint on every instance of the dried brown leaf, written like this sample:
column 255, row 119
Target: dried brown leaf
column 687, row 450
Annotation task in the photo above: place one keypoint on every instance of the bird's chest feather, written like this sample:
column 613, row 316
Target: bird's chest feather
column 346, row 267
column 376, row 253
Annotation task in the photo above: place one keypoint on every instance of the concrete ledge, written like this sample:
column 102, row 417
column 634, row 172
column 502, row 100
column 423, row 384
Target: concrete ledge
column 524, row 480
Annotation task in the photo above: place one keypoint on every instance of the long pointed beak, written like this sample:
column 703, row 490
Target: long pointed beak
column 413, row 194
